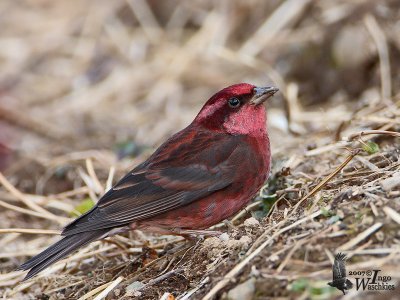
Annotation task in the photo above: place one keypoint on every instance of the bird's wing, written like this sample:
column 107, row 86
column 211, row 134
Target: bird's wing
column 188, row 167
column 339, row 266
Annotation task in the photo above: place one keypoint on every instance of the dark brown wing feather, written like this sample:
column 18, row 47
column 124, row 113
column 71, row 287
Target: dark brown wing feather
column 188, row 167
column 339, row 266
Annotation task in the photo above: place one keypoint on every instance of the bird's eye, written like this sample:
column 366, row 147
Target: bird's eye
column 234, row 102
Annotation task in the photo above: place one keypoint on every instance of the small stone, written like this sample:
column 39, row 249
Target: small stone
column 274, row 258
column 224, row 237
column 254, row 271
column 211, row 242
column 134, row 286
column 333, row 220
column 368, row 220
column 380, row 236
column 245, row 241
column 212, row 247
column 251, row 225
column 251, row 222
column 133, row 293
column 391, row 183
column 234, row 244
column 243, row 291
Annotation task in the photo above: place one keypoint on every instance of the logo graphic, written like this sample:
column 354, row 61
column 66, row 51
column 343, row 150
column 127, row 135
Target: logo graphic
column 339, row 279
column 372, row 280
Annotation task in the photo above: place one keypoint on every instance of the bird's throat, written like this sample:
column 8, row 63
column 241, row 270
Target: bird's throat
column 252, row 121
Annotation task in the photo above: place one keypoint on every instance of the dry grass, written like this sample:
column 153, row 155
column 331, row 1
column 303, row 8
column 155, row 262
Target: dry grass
column 81, row 77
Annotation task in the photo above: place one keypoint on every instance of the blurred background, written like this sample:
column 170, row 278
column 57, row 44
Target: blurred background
column 110, row 80
column 80, row 75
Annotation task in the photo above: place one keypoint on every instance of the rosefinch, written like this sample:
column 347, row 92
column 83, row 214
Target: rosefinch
column 200, row 176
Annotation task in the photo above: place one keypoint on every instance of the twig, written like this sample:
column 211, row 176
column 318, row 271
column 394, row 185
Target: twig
column 394, row 215
column 367, row 163
column 284, row 15
column 158, row 279
column 326, row 180
column 326, row 148
column 23, row 210
column 58, row 287
column 146, row 18
column 194, row 290
column 360, row 237
column 246, row 210
column 92, row 173
column 296, row 246
column 292, row 250
column 161, row 278
column 28, row 202
column 111, row 286
column 90, row 183
column 254, row 63
column 263, row 236
column 31, row 231
column 383, row 52
column 227, row 278
column 374, row 251
column 342, row 144
column 18, row 254
column 110, row 178
column 37, row 126
column 368, row 132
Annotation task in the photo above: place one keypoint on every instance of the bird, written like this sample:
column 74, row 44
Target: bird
column 199, row 177
column 339, row 279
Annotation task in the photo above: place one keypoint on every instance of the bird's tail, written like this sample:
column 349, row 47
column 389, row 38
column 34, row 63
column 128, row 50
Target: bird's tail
column 59, row 250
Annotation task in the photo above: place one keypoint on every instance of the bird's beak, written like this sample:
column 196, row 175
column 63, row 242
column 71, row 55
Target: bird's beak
column 262, row 93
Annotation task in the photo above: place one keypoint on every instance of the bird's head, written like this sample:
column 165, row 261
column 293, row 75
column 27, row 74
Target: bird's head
column 236, row 109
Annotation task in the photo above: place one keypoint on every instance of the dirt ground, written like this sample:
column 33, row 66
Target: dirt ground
column 89, row 89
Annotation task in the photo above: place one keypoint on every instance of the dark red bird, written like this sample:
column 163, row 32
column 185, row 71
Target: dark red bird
column 200, row 176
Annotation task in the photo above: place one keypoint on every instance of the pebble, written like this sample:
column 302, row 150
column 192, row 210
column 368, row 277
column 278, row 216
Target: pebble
column 134, row 286
column 224, row 237
column 391, row 183
column 251, row 222
column 243, row 291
